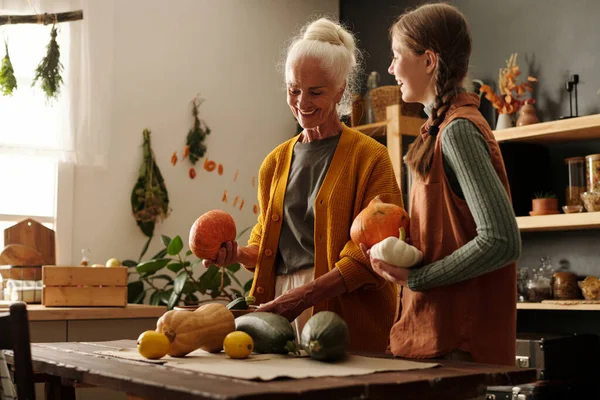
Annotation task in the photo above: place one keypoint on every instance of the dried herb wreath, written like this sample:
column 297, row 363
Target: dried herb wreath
column 149, row 198
column 49, row 69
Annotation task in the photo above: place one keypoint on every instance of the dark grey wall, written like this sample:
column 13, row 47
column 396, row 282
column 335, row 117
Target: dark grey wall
column 554, row 38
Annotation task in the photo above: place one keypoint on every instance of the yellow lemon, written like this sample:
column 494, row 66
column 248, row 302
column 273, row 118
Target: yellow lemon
column 238, row 344
column 153, row 345
column 113, row 262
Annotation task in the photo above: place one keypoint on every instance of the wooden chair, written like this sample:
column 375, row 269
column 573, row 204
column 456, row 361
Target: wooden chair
column 14, row 335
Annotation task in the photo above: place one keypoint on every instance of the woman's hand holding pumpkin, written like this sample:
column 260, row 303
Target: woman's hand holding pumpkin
column 227, row 255
column 231, row 253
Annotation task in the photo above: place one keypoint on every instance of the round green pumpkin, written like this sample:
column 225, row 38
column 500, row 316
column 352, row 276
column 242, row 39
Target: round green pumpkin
column 326, row 336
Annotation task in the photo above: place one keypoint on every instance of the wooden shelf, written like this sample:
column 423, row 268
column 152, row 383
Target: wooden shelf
column 559, row 222
column 580, row 128
column 558, row 307
column 375, row 129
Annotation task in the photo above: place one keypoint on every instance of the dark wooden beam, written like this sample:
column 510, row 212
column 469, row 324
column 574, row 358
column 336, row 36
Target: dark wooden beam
column 46, row 19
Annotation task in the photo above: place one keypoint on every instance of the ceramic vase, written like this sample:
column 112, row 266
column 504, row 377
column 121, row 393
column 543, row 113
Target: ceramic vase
column 504, row 121
column 527, row 115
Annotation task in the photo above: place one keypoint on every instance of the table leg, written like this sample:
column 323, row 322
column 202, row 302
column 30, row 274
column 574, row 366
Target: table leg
column 55, row 390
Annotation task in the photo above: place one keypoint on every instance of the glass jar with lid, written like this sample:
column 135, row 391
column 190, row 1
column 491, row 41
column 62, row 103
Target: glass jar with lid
column 592, row 172
column 576, row 181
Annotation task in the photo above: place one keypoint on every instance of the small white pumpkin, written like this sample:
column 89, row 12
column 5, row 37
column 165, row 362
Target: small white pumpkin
column 396, row 252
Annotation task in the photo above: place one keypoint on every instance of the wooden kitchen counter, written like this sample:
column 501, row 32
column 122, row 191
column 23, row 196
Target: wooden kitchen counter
column 66, row 324
column 38, row 312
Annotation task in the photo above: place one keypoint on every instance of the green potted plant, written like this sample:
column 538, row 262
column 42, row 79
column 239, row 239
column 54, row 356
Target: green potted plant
column 544, row 203
column 181, row 286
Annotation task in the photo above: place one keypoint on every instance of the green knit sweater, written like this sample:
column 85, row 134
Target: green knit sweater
column 468, row 166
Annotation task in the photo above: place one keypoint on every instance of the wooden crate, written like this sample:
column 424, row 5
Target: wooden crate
column 84, row 286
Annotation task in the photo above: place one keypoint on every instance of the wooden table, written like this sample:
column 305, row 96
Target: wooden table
column 89, row 324
column 76, row 363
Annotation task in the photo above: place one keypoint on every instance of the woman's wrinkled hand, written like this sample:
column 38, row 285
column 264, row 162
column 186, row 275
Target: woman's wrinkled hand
column 227, row 255
column 289, row 305
column 397, row 275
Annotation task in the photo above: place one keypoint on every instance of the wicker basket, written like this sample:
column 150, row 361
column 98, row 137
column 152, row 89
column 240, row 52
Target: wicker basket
column 385, row 96
column 357, row 110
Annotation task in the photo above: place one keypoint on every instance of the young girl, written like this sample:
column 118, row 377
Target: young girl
column 461, row 302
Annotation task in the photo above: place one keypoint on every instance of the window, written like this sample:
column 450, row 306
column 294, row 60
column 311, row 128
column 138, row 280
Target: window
column 31, row 129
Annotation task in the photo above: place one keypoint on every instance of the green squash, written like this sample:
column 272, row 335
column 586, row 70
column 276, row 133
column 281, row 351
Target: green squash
column 271, row 333
column 241, row 303
column 326, row 336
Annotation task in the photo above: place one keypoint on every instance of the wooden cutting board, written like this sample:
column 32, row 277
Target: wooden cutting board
column 34, row 235
column 21, row 256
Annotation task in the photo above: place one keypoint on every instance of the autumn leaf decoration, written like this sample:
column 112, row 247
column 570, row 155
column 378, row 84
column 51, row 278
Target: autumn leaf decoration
column 508, row 101
column 195, row 149
column 8, row 82
column 149, row 198
column 49, row 69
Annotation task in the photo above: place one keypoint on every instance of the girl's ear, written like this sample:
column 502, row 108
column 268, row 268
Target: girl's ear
column 430, row 61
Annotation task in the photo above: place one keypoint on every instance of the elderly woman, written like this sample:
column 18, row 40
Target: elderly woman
column 310, row 190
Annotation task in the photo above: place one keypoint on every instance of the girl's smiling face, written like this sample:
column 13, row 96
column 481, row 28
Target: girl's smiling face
column 414, row 73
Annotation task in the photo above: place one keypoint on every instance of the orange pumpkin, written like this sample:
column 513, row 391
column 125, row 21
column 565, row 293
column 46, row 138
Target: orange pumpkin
column 378, row 221
column 209, row 232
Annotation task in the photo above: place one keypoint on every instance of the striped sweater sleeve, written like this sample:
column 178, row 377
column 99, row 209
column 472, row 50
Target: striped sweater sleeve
column 498, row 241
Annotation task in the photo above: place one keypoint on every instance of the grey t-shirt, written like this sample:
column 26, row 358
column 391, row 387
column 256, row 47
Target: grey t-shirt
column 310, row 163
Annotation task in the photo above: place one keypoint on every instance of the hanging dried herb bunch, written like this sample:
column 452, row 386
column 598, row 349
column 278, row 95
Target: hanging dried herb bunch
column 49, row 69
column 149, row 198
column 8, row 82
column 197, row 134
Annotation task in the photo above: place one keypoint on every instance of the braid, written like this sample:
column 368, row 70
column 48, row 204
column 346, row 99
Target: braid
column 420, row 153
column 446, row 87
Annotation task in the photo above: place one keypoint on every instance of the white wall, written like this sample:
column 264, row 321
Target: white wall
column 165, row 52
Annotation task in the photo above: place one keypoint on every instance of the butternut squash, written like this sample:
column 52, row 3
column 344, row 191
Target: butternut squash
column 204, row 328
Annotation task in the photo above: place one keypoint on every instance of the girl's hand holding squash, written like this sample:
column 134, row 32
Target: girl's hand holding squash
column 395, row 251
column 397, row 274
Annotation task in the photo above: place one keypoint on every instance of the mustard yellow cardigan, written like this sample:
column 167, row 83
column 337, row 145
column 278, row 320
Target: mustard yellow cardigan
column 360, row 170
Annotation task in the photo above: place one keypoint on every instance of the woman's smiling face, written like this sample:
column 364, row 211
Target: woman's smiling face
column 312, row 93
